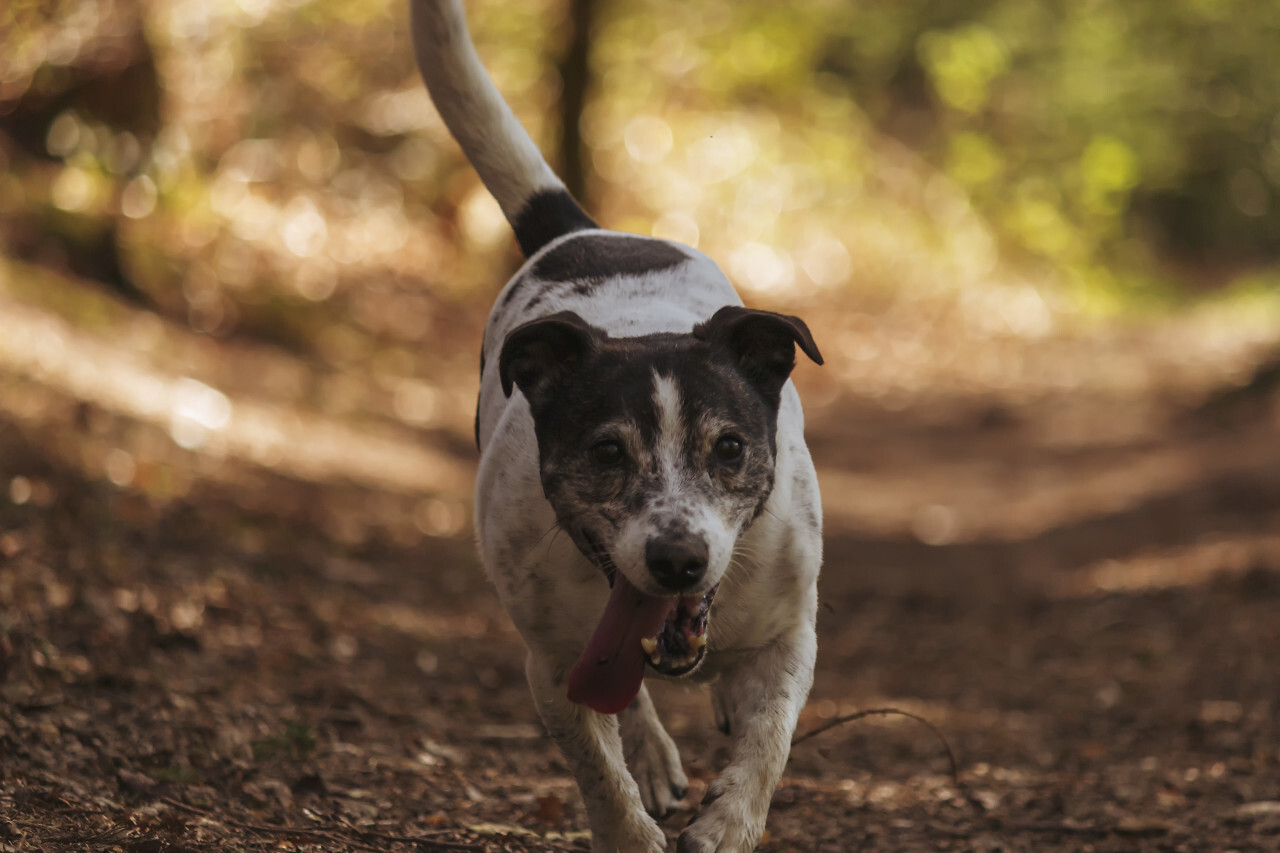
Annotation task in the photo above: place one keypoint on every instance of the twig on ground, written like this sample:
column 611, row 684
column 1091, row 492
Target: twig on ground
column 262, row 828
column 322, row 834
column 421, row 839
column 110, row 835
column 897, row 712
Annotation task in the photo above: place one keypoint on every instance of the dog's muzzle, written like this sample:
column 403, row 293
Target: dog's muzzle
column 668, row 633
column 677, row 561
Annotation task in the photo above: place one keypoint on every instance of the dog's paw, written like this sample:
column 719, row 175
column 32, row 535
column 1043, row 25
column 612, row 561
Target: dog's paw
column 726, row 825
column 637, row 833
column 654, row 761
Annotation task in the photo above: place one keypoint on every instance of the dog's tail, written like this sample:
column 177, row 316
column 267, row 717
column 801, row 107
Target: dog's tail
column 532, row 198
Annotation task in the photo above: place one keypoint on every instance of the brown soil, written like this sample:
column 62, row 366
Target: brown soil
column 1092, row 628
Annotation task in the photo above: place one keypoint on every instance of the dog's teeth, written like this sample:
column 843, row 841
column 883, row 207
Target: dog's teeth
column 697, row 641
column 649, row 644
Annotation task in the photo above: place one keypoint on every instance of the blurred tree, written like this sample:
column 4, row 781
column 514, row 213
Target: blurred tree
column 575, row 81
column 69, row 107
column 245, row 161
column 1136, row 142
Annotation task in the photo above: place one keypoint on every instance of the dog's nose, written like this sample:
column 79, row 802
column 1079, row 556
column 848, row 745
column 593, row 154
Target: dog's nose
column 676, row 562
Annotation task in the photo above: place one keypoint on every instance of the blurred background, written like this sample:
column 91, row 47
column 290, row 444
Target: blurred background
column 244, row 273
column 239, row 229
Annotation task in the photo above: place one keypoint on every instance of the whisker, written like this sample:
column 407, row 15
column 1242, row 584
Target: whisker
column 741, row 559
column 553, row 531
column 554, row 536
column 555, row 527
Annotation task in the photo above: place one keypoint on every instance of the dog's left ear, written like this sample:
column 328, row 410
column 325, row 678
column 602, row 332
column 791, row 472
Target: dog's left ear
column 539, row 352
column 762, row 343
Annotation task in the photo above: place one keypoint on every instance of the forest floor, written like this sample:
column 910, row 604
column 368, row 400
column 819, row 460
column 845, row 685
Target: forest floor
column 1081, row 593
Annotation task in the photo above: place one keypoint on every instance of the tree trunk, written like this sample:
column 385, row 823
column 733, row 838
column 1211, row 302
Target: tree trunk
column 575, row 77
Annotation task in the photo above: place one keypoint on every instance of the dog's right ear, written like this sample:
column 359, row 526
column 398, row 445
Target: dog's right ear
column 762, row 343
column 542, row 351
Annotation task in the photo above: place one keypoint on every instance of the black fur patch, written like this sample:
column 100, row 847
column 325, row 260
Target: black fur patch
column 576, row 266
column 546, row 216
column 763, row 342
column 595, row 257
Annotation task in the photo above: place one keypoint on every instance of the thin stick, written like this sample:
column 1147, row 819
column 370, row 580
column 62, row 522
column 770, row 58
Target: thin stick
column 265, row 828
column 885, row 712
column 409, row 839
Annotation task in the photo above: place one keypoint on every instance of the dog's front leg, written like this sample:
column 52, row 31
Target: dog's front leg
column 592, row 746
column 652, row 757
column 761, row 698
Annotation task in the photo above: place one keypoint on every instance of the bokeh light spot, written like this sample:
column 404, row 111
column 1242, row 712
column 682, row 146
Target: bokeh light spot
column 648, row 139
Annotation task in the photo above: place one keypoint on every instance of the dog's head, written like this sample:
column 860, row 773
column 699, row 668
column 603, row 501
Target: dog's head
column 657, row 452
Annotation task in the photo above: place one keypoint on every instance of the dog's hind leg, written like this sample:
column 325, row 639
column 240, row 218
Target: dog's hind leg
column 592, row 746
column 652, row 757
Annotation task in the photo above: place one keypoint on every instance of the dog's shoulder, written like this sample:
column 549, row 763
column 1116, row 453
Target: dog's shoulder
column 587, row 268
column 623, row 284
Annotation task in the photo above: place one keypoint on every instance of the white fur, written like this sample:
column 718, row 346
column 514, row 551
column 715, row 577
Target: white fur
column 761, row 640
column 504, row 156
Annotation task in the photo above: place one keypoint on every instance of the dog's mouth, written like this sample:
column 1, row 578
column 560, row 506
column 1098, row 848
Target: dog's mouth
column 669, row 633
column 679, row 645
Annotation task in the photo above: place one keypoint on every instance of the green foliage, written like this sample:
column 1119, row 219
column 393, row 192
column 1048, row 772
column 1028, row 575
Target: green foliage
column 1128, row 143
column 1132, row 135
column 250, row 163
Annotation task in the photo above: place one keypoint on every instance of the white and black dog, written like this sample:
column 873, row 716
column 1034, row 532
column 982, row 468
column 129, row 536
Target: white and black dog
column 630, row 402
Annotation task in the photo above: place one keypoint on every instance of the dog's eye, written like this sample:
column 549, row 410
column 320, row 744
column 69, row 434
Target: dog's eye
column 729, row 448
column 607, row 453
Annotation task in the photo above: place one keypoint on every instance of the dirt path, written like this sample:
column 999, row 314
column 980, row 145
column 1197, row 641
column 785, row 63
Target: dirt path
column 1092, row 623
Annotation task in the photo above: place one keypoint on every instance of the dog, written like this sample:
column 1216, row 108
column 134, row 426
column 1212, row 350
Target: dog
column 645, row 501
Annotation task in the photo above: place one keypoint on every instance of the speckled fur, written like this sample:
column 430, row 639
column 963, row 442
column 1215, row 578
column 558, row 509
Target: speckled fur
column 634, row 351
column 765, row 523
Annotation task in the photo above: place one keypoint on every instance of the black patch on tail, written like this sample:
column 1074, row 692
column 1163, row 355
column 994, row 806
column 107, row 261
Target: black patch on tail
column 594, row 257
column 547, row 215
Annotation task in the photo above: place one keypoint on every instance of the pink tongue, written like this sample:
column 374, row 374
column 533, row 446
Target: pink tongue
column 607, row 676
